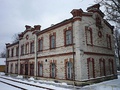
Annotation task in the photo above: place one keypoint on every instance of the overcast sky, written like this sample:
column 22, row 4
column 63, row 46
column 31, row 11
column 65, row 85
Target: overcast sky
column 15, row 14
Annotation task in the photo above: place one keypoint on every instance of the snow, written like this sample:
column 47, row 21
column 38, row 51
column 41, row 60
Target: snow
column 2, row 61
column 106, row 85
column 19, row 77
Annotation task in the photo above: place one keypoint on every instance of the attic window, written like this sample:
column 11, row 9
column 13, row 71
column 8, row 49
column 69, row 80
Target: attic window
column 98, row 22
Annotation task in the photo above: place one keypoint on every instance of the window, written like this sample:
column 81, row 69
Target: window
column 40, row 69
column 11, row 68
column 8, row 53
column 32, row 69
column 40, row 44
column 69, row 70
column 108, row 37
column 12, row 52
column 89, row 39
column 52, row 41
column 53, row 70
column 17, row 51
column 27, row 48
column 22, row 50
column 32, row 47
column 111, row 68
column 68, row 37
column 102, row 67
column 21, row 69
column 91, row 72
column 16, row 68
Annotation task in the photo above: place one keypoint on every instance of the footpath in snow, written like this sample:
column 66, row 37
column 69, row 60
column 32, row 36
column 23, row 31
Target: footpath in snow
column 106, row 85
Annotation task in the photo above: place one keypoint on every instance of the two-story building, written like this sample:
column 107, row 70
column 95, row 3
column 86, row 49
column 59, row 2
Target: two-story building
column 79, row 49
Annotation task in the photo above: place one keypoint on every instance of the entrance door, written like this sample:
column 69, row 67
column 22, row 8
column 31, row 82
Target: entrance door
column 26, row 69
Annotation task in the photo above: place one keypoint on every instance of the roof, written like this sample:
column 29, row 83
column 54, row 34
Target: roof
column 2, row 61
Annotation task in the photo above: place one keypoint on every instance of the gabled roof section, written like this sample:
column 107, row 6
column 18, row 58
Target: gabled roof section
column 96, row 8
column 29, row 29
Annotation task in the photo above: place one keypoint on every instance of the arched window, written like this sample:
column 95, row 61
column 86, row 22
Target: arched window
column 21, row 68
column 53, row 70
column 69, row 70
column 52, row 41
column 32, row 69
column 11, row 68
column 111, row 67
column 102, row 67
column 89, row 39
column 91, row 71
column 16, row 68
column 40, row 68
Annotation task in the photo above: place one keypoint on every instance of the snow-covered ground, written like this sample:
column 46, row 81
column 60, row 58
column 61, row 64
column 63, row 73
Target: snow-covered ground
column 106, row 85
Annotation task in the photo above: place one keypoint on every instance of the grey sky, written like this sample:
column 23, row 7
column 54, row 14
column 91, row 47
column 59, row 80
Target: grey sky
column 15, row 14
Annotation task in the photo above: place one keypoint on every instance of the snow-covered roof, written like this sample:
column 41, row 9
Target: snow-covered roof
column 2, row 61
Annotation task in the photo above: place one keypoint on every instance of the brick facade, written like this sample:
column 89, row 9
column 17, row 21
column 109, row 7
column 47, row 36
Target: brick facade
column 83, row 54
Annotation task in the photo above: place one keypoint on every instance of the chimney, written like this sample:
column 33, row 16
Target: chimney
column 7, row 44
column 27, row 27
column 77, row 12
column 37, row 27
column 93, row 8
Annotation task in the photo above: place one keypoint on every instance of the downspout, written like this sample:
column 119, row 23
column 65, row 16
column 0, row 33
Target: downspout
column 18, row 59
column 35, row 64
column 73, row 55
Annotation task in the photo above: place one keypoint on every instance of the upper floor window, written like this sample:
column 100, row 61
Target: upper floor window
column 52, row 41
column 22, row 50
column 12, row 52
column 27, row 48
column 17, row 51
column 108, row 37
column 68, row 37
column 8, row 53
column 32, row 47
column 40, row 44
column 89, row 39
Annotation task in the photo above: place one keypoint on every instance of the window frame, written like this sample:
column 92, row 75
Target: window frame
column 89, row 29
column 65, row 36
column 32, row 47
column 53, row 41
column 40, row 44
column 22, row 49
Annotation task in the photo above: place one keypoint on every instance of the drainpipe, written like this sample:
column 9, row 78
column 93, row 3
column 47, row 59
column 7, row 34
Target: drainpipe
column 35, row 64
column 18, row 58
column 73, row 55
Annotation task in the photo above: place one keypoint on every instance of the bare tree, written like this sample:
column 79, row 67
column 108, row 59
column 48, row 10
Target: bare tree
column 15, row 38
column 112, row 12
column 3, row 54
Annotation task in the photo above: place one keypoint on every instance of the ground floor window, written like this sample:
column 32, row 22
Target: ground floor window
column 21, row 69
column 102, row 67
column 11, row 68
column 53, row 70
column 26, row 69
column 69, row 70
column 111, row 68
column 91, row 72
column 16, row 68
column 40, row 69
column 32, row 69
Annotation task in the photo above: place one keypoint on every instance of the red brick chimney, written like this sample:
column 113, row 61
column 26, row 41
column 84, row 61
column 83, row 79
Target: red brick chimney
column 27, row 27
column 37, row 27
